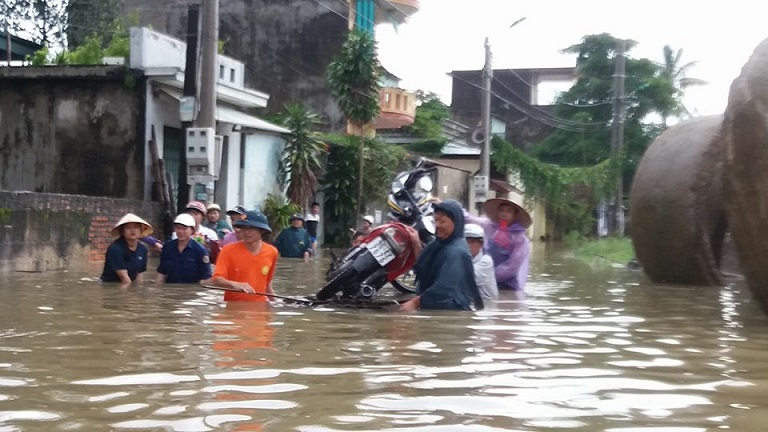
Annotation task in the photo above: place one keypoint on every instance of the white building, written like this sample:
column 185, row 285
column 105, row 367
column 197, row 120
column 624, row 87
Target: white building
column 250, row 147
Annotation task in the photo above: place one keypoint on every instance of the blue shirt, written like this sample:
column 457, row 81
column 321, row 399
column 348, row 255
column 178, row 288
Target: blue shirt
column 188, row 266
column 120, row 257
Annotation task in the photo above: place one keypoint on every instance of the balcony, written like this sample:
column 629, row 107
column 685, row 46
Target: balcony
column 398, row 108
column 395, row 11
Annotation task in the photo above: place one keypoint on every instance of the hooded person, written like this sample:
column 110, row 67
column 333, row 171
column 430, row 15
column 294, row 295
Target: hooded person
column 444, row 272
column 506, row 241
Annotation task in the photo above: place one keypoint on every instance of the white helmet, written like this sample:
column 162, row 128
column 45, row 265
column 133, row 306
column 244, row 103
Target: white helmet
column 473, row 231
column 368, row 219
column 185, row 219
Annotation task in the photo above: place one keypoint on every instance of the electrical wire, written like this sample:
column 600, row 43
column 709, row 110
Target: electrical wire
column 548, row 114
column 543, row 120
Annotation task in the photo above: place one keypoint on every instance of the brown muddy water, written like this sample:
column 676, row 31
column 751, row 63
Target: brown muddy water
column 591, row 348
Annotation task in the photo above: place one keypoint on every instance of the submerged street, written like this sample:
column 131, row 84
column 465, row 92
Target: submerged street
column 591, row 347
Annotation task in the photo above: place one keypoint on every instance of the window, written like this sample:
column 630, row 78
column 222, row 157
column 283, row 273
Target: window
column 231, row 75
column 222, row 72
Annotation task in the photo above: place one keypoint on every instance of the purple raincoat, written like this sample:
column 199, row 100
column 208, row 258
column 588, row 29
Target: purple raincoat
column 509, row 248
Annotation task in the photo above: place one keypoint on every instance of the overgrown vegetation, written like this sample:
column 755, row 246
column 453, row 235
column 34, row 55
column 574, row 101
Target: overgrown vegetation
column 571, row 193
column 301, row 161
column 382, row 161
column 112, row 43
column 353, row 79
column 608, row 250
column 278, row 211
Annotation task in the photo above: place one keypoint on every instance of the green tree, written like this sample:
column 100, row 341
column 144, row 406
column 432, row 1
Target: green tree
column 677, row 73
column 48, row 22
column 383, row 160
column 430, row 114
column 584, row 113
column 86, row 17
column 301, row 157
column 13, row 14
column 353, row 80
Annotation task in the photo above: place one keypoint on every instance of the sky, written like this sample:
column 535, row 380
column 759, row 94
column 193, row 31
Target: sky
column 448, row 35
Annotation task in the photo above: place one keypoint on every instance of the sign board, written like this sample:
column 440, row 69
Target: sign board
column 187, row 108
column 481, row 188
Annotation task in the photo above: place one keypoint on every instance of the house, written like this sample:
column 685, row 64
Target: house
column 85, row 130
column 249, row 148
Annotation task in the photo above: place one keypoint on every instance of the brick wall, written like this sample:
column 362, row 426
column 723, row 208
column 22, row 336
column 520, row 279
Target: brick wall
column 40, row 232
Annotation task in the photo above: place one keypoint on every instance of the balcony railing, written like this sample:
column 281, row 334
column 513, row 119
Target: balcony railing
column 398, row 108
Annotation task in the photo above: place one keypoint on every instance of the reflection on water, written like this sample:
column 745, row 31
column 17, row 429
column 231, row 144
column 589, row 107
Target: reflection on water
column 588, row 348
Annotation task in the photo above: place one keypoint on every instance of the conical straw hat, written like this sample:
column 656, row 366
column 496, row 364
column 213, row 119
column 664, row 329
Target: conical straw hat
column 132, row 218
column 491, row 209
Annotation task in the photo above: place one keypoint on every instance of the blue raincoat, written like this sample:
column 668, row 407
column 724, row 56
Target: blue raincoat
column 444, row 271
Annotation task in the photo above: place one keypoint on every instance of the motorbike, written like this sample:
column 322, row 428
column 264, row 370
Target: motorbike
column 386, row 254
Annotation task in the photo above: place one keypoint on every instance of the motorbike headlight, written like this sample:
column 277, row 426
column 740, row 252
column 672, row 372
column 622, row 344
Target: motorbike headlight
column 425, row 185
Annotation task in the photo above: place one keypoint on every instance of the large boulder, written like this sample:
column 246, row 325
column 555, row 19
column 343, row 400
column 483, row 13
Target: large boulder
column 745, row 134
column 678, row 215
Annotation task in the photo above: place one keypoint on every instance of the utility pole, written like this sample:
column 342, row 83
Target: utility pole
column 191, row 67
column 8, row 48
column 210, row 48
column 617, row 138
column 485, row 159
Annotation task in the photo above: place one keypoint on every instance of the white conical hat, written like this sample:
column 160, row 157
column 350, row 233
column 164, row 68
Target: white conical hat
column 491, row 209
column 132, row 218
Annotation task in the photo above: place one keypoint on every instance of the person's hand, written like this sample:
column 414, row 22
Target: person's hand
column 413, row 235
column 435, row 200
column 410, row 306
column 246, row 288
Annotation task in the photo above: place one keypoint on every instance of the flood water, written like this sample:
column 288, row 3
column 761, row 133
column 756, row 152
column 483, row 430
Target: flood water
column 592, row 347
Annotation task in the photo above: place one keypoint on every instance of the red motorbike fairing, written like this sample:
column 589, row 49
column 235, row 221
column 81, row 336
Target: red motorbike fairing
column 405, row 257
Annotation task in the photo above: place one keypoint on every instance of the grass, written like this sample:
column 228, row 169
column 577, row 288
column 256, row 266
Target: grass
column 612, row 249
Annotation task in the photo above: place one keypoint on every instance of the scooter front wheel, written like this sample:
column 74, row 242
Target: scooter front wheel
column 406, row 283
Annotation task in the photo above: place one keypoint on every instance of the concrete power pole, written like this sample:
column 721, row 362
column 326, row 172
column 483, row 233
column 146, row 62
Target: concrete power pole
column 617, row 137
column 485, row 159
column 209, row 67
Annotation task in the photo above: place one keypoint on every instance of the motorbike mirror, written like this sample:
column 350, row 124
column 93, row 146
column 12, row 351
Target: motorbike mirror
column 429, row 224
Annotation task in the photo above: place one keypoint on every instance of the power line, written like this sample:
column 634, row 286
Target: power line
column 548, row 114
column 546, row 121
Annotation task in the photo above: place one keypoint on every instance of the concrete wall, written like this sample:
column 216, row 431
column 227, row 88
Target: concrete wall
column 72, row 130
column 41, row 232
column 262, row 156
column 286, row 45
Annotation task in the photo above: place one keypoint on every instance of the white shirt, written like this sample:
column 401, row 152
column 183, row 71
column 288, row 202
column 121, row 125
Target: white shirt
column 312, row 217
column 485, row 277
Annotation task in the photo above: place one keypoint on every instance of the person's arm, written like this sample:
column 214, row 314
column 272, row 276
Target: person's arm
column 477, row 220
column 413, row 237
column 160, row 279
column 140, row 278
column 204, row 267
column 308, row 250
column 486, row 279
column 222, row 270
column 116, row 262
column 521, row 249
column 123, row 275
column 411, row 305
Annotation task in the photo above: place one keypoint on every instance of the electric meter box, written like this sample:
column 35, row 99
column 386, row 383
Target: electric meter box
column 203, row 149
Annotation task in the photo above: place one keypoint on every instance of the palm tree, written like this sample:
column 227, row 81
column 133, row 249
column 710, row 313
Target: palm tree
column 301, row 157
column 353, row 79
column 676, row 73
